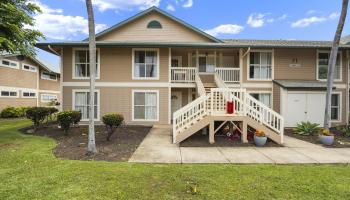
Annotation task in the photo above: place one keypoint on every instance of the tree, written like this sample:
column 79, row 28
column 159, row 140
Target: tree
column 92, row 62
column 16, row 34
column 332, row 63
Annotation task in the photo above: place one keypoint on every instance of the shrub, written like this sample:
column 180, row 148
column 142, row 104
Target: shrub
column 307, row 128
column 66, row 118
column 52, row 111
column 112, row 121
column 345, row 130
column 37, row 115
column 9, row 112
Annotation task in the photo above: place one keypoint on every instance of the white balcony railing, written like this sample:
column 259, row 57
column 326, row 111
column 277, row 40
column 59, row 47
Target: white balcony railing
column 228, row 75
column 188, row 74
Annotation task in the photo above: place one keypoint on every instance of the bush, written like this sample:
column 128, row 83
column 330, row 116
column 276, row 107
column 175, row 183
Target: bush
column 12, row 112
column 52, row 111
column 345, row 130
column 307, row 128
column 37, row 115
column 66, row 118
column 112, row 121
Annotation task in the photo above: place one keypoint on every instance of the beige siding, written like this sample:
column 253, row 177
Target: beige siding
column 276, row 97
column 137, row 31
column 119, row 100
column 116, row 65
column 16, row 102
column 49, row 84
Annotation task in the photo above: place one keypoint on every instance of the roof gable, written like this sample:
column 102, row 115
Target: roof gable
column 172, row 29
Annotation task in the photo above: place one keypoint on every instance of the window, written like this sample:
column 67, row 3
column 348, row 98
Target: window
column 48, row 97
column 48, row 76
column 82, row 101
column 145, row 64
column 260, row 65
column 145, row 105
column 30, row 68
column 154, row 24
column 322, row 66
column 9, row 63
column 81, row 64
column 265, row 98
column 6, row 93
column 27, row 94
column 335, row 107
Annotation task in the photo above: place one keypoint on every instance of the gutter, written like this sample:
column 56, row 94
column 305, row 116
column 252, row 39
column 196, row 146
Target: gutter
column 53, row 51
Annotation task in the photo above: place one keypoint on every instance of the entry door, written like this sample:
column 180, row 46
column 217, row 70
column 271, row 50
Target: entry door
column 176, row 101
column 202, row 64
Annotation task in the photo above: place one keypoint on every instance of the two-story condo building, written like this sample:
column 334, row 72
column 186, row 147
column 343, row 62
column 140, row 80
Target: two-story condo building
column 27, row 82
column 156, row 69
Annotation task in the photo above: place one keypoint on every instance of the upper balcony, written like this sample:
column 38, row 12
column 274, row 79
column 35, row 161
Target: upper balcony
column 186, row 63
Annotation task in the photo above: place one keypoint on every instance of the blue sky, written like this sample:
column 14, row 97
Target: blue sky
column 242, row 19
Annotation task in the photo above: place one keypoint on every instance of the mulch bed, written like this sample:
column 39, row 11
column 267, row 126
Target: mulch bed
column 121, row 146
column 340, row 141
column 200, row 140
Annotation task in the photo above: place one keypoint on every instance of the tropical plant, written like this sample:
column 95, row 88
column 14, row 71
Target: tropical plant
column 332, row 63
column 37, row 115
column 16, row 22
column 112, row 122
column 345, row 130
column 67, row 118
column 306, row 128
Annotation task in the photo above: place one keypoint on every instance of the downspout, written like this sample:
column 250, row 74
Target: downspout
column 347, row 88
column 52, row 50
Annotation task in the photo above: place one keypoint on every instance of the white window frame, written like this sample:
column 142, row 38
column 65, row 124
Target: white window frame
column 263, row 92
column 29, row 70
column 17, row 93
column 98, row 64
column 29, row 97
column 339, row 107
column 272, row 64
column 46, row 101
column 133, row 105
column 9, row 66
column 41, row 76
column 98, row 102
column 341, row 65
column 133, row 64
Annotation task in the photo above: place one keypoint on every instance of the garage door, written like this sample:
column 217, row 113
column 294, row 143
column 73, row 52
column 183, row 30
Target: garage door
column 304, row 107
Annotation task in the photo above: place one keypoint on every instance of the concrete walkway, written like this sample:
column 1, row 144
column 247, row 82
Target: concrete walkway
column 157, row 147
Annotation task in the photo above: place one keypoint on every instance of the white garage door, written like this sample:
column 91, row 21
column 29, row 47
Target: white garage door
column 304, row 107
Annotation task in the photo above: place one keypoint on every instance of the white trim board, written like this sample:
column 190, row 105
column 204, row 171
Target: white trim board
column 119, row 84
column 132, row 106
column 98, row 99
column 98, row 64
column 133, row 64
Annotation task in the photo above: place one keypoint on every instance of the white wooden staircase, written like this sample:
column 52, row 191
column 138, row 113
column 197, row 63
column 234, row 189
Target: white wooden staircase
column 212, row 106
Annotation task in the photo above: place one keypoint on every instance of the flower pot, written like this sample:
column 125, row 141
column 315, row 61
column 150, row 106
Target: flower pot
column 327, row 139
column 260, row 141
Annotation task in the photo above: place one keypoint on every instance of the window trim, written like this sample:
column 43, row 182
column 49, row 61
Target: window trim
column 17, row 94
column 98, row 101
column 45, row 101
column 341, row 65
column 9, row 66
column 41, row 76
column 133, row 64
column 263, row 92
column 28, row 70
column 29, row 97
column 98, row 64
column 339, row 120
column 272, row 51
column 133, row 106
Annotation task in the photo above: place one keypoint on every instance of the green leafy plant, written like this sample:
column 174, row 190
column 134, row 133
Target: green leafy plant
column 112, row 122
column 67, row 118
column 326, row 132
column 52, row 111
column 307, row 128
column 12, row 112
column 345, row 130
column 37, row 115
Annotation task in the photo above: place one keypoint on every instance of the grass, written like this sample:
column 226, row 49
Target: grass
column 28, row 170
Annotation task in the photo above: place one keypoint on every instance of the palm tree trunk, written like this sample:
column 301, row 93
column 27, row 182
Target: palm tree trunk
column 332, row 63
column 92, row 62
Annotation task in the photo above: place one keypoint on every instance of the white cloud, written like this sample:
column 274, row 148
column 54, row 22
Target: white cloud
column 225, row 29
column 170, row 7
column 310, row 12
column 305, row 22
column 55, row 25
column 282, row 17
column 256, row 20
column 118, row 5
column 188, row 4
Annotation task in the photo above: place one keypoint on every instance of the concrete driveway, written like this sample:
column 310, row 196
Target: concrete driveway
column 157, row 147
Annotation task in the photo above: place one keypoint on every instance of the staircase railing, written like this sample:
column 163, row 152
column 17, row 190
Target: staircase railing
column 200, row 86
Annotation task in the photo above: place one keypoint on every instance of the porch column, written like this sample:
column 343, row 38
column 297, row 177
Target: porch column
column 211, row 132
column 244, row 137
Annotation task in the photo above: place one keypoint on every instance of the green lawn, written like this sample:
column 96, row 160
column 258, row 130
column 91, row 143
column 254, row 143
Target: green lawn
column 28, row 170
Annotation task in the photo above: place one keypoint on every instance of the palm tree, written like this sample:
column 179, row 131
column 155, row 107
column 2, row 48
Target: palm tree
column 332, row 63
column 92, row 62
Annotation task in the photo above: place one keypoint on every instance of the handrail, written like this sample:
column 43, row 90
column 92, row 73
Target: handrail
column 200, row 86
column 183, row 74
column 229, row 74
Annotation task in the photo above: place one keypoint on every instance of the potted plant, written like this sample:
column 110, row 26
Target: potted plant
column 260, row 138
column 326, row 137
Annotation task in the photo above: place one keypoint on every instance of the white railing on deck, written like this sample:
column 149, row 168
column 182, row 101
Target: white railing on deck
column 183, row 74
column 229, row 75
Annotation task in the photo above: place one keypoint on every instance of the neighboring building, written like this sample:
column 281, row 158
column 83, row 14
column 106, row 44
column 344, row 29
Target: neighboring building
column 153, row 64
column 27, row 81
